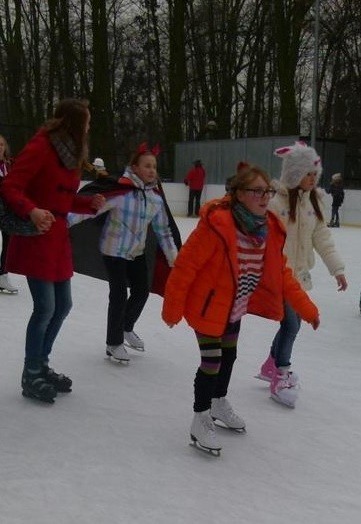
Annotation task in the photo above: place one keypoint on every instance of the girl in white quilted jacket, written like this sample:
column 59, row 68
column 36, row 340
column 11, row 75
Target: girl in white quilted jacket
column 299, row 205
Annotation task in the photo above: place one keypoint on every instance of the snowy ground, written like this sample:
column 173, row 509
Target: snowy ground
column 115, row 450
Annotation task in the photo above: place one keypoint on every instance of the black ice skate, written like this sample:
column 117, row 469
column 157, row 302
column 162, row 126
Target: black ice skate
column 61, row 383
column 35, row 386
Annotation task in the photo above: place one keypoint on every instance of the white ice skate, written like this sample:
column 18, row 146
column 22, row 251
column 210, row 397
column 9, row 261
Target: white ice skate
column 132, row 340
column 6, row 286
column 203, row 433
column 118, row 353
column 222, row 411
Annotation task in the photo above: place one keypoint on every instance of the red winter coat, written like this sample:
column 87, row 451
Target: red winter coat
column 39, row 179
column 195, row 178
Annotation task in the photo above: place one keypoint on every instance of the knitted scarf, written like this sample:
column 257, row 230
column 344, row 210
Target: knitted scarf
column 254, row 226
column 65, row 148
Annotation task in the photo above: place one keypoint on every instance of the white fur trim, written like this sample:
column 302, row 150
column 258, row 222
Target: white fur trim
column 297, row 161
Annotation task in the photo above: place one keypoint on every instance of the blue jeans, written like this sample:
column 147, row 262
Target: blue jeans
column 281, row 349
column 52, row 303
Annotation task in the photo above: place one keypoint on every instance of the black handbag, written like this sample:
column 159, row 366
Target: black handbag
column 12, row 224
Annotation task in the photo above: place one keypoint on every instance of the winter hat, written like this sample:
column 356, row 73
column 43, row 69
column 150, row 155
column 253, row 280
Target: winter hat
column 336, row 177
column 99, row 163
column 297, row 161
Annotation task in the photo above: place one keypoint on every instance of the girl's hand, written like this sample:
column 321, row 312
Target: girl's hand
column 42, row 218
column 315, row 323
column 98, row 201
column 341, row 282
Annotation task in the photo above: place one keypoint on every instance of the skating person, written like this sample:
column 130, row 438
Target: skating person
column 231, row 264
column 122, row 244
column 299, row 205
column 338, row 195
column 43, row 185
column 195, row 181
column 5, row 161
column 95, row 170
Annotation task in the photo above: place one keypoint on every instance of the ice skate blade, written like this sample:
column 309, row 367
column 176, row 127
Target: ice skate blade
column 222, row 425
column 8, row 292
column 26, row 394
column 110, row 358
column 263, row 378
column 134, row 347
column 215, row 452
column 279, row 401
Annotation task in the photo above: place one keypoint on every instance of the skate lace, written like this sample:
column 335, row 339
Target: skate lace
column 208, row 424
column 285, row 382
column 230, row 414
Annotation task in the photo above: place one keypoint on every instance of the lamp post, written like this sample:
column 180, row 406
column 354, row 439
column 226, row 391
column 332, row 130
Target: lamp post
column 314, row 116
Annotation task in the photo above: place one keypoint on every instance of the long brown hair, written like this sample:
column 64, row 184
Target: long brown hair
column 70, row 117
column 293, row 199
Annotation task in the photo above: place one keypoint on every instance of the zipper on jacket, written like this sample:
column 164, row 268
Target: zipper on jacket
column 207, row 302
column 231, row 268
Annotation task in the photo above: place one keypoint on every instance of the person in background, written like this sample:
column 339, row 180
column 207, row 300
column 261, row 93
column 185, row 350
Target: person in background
column 338, row 194
column 195, row 181
column 5, row 162
column 231, row 264
column 42, row 185
column 227, row 185
column 100, row 169
column 299, row 205
column 95, row 170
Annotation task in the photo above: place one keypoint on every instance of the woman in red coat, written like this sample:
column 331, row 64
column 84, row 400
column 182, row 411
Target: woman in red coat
column 42, row 186
column 232, row 264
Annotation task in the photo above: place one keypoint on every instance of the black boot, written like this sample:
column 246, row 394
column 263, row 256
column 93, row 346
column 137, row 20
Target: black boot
column 34, row 385
column 60, row 382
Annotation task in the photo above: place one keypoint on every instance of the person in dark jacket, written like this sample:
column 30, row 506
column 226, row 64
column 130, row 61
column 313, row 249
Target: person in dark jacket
column 5, row 163
column 42, row 185
column 195, row 181
column 338, row 195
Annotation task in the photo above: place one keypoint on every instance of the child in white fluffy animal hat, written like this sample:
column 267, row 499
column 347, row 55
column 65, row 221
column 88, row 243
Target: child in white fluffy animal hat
column 298, row 203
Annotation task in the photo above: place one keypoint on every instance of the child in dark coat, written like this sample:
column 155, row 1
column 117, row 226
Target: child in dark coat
column 338, row 195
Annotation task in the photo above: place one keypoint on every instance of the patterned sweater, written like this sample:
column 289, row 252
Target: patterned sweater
column 129, row 215
column 250, row 260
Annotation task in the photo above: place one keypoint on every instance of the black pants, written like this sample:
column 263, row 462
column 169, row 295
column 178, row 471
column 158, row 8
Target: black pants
column 194, row 197
column 5, row 241
column 335, row 219
column 124, row 311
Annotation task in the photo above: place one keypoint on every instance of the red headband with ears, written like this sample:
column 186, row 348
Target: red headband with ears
column 144, row 148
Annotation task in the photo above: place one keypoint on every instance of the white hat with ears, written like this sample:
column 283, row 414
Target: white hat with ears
column 297, row 161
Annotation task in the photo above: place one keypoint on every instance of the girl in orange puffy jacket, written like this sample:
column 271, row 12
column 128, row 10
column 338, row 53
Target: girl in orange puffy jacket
column 231, row 264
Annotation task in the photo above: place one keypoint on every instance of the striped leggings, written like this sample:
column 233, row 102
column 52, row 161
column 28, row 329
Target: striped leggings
column 218, row 355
